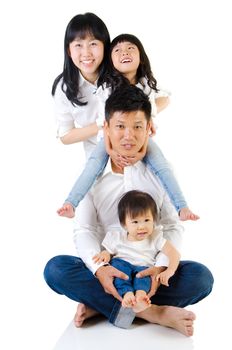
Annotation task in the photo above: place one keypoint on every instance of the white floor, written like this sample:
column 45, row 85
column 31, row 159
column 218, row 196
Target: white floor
column 101, row 334
column 97, row 333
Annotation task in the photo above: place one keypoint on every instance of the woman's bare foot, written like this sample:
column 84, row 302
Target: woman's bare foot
column 142, row 301
column 170, row 316
column 128, row 300
column 186, row 214
column 66, row 211
column 83, row 312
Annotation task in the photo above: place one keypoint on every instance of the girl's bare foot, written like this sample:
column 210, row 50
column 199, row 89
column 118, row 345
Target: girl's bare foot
column 66, row 211
column 128, row 300
column 170, row 316
column 142, row 301
column 186, row 214
column 83, row 312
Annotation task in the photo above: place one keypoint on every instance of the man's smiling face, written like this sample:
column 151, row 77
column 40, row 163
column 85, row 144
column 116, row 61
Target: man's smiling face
column 127, row 132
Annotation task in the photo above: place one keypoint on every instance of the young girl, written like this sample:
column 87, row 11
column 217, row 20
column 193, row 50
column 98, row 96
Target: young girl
column 134, row 249
column 129, row 65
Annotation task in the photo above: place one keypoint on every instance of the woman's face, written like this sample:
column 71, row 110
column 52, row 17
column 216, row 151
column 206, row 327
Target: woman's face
column 87, row 55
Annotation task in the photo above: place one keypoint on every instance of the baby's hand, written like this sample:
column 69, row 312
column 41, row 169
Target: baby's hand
column 163, row 277
column 67, row 211
column 186, row 214
column 104, row 257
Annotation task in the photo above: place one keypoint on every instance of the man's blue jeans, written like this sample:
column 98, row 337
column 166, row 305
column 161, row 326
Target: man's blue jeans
column 68, row 275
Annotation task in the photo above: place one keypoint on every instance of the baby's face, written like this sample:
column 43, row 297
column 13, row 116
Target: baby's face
column 139, row 227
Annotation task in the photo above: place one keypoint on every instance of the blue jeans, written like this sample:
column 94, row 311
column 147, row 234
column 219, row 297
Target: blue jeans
column 68, row 275
column 133, row 283
column 154, row 159
column 159, row 166
column 93, row 168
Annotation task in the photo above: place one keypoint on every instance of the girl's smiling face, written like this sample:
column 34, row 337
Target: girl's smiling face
column 125, row 57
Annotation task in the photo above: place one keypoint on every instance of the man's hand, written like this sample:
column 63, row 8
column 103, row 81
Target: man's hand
column 105, row 275
column 152, row 272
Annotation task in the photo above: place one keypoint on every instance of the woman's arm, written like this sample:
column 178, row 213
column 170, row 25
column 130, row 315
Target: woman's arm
column 80, row 134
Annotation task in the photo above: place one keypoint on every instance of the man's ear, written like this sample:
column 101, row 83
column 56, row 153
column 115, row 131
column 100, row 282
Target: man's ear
column 106, row 127
column 149, row 124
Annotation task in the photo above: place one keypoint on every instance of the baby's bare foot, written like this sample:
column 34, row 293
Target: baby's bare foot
column 66, row 211
column 186, row 214
column 83, row 312
column 142, row 301
column 128, row 300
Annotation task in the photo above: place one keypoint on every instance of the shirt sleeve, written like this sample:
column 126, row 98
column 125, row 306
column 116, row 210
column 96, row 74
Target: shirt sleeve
column 162, row 93
column 88, row 234
column 172, row 229
column 63, row 115
column 110, row 242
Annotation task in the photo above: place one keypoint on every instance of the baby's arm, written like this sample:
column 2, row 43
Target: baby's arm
column 104, row 257
column 174, row 258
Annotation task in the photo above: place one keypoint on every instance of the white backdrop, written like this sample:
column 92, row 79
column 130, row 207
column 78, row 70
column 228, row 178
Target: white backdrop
column 189, row 45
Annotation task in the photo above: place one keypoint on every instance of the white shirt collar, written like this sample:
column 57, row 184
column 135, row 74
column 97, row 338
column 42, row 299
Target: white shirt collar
column 108, row 168
column 83, row 81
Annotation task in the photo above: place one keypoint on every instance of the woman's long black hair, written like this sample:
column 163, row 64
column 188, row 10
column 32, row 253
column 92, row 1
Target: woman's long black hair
column 80, row 26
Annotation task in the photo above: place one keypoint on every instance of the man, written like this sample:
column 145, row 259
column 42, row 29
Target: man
column 128, row 121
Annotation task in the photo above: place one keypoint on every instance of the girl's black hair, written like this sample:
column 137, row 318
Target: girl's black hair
column 80, row 26
column 135, row 203
column 114, row 78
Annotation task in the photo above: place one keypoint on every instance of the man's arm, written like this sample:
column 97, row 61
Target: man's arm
column 87, row 239
column 172, row 229
column 87, row 236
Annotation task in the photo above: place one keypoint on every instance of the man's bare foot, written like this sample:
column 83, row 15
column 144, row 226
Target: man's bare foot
column 66, row 211
column 186, row 214
column 83, row 312
column 128, row 300
column 142, row 301
column 170, row 316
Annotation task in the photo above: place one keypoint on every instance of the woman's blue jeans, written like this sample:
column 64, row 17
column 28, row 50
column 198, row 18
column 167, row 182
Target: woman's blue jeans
column 68, row 275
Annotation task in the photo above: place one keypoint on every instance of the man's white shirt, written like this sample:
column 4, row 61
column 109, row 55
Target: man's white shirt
column 97, row 213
